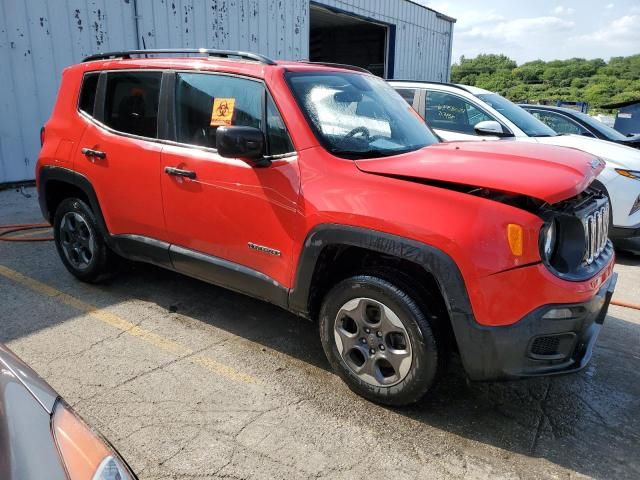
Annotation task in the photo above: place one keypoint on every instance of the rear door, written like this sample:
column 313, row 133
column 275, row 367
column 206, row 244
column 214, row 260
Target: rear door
column 229, row 209
column 119, row 153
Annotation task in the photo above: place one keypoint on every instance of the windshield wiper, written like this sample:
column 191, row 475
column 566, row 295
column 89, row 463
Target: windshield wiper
column 375, row 153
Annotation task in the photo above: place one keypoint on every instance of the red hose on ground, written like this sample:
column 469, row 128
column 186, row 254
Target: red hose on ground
column 620, row 303
column 7, row 229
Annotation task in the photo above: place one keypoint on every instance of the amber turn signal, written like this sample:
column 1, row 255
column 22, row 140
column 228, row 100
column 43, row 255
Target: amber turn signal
column 515, row 238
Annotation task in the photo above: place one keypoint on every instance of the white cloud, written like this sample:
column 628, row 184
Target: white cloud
column 621, row 31
column 519, row 29
column 562, row 10
column 547, row 30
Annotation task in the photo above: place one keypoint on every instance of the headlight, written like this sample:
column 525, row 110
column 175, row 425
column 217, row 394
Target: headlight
column 86, row 456
column 629, row 173
column 549, row 235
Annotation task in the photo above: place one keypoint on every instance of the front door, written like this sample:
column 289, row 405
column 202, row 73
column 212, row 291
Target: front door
column 229, row 210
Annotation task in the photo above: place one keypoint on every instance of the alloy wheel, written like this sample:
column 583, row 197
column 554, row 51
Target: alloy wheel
column 373, row 342
column 77, row 241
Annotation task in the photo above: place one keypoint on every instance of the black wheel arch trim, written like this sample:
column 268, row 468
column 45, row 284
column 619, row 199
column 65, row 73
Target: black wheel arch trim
column 61, row 174
column 433, row 260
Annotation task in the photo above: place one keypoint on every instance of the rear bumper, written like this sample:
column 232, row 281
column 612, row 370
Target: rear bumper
column 536, row 345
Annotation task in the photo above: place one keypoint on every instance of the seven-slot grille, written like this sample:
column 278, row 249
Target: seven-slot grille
column 596, row 233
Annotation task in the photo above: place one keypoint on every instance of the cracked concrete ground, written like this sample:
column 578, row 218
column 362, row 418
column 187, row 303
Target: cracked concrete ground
column 188, row 381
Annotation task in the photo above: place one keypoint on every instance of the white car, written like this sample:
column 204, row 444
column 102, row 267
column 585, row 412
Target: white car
column 459, row 112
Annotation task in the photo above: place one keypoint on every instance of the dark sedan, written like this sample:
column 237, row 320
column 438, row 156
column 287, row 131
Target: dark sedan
column 42, row 438
column 567, row 121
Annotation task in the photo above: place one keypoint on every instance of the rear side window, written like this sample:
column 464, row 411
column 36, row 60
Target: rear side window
column 205, row 102
column 131, row 102
column 88, row 92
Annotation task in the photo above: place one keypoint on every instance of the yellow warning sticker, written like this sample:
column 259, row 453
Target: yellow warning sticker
column 222, row 113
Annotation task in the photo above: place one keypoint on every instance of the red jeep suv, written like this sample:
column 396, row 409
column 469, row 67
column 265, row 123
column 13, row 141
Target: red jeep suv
column 318, row 189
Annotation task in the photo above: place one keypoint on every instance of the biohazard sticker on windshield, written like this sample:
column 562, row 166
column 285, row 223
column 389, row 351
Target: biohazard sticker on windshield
column 222, row 113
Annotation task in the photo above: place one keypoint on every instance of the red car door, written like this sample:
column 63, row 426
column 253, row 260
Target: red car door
column 229, row 209
column 119, row 155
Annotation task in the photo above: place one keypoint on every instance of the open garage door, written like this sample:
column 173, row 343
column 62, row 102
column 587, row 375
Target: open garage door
column 339, row 37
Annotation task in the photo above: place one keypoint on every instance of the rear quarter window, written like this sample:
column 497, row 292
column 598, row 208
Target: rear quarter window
column 407, row 93
column 88, row 92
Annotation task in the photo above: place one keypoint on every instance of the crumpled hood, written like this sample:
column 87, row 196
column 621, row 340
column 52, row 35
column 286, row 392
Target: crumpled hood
column 548, row 173
column 615, row 154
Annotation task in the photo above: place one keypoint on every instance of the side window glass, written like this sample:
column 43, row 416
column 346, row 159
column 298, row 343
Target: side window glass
column 407, row 93
column 450, row 112
column 131, row 104
column 88, row 92
column 279, row 140
column 205, row 101
column 559, row 123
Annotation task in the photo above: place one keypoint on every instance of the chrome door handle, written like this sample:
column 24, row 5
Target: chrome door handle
column 178, row 172
column 89, row 152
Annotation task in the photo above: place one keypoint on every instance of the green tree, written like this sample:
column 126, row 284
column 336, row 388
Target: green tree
column 575, row 79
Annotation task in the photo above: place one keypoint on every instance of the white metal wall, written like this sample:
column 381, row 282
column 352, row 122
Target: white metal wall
column 38, row 38
column 276, row 28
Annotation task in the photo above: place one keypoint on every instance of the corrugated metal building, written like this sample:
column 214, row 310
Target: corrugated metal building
column 38, row 38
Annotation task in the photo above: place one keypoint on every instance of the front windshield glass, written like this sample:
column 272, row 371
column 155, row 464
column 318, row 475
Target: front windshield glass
column 519, row 116
column 358, row 116
column 606, row 130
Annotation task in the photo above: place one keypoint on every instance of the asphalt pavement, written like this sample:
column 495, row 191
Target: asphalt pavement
column 189, row 381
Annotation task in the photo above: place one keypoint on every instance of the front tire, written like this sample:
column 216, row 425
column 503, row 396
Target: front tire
column 379, row 341
column 80, row 245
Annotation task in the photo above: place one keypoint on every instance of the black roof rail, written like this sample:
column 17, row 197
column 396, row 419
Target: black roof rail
column 173, row 51
column 448, row 84
column 337, row 65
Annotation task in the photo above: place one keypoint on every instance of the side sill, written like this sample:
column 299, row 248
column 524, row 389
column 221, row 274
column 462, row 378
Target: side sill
column 228, row 274
column 142, row 249
column 204, row 267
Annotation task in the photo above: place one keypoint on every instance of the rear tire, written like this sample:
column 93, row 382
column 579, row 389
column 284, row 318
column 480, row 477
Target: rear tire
column 379, row 341
column 80, row 245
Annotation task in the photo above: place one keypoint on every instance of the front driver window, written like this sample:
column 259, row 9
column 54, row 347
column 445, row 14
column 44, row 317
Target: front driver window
column 453, row 113
column 206, row 101
column 559, row 123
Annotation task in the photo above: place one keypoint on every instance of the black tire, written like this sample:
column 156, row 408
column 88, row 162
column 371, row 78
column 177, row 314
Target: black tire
column 427, row 351
column 93, row 268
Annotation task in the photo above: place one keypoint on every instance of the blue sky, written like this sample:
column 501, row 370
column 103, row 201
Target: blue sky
column 544, row 29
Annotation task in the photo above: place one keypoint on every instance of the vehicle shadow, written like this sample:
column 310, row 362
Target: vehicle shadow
column 586, row 422
column 630, row 257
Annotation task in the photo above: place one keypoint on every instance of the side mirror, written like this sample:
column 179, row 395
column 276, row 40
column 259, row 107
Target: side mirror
column 246, row 143
column 491, row 128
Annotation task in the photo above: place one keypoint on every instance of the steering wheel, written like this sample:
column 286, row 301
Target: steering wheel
column 364, row 130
